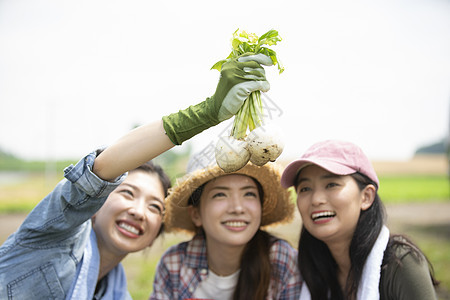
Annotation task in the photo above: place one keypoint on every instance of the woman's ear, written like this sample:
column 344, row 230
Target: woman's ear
column 195, row 216
column 368, row 196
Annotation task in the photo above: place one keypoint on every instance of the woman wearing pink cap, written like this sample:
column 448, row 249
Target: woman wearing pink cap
column 345, row 249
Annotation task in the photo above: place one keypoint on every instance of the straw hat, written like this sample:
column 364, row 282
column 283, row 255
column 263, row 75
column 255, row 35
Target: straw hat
column 277, row 207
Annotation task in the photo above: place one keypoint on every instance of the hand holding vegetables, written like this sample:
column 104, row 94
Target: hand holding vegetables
column 239, row 78
column 263, row 144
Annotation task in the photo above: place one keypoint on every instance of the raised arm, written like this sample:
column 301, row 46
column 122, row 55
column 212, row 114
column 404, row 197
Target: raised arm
column 237, row 80
column 132, row 150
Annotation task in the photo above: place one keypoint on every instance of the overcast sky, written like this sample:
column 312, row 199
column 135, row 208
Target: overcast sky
column 75, row 75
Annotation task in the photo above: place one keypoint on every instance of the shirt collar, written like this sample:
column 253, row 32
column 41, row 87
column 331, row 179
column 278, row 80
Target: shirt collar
column 196, row 252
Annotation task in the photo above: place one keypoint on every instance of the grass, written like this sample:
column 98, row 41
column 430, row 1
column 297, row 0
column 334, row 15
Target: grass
column 23, row 195
column 434, row 241
column 407, row 189
column 140, row 267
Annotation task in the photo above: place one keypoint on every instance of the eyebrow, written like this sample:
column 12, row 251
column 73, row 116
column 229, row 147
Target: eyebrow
column 228, row 188
column 136, row 188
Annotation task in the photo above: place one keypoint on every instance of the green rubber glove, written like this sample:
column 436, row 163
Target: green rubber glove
column 238, row 78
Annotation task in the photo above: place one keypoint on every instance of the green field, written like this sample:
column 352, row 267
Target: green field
column 21, row 196
column 407, row 189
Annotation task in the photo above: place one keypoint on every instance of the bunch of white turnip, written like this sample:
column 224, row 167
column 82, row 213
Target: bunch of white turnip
column 264, row 142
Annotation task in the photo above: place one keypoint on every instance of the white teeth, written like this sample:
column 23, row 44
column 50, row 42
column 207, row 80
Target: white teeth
column 235, row 224
column 129, row 228
column 323, row 214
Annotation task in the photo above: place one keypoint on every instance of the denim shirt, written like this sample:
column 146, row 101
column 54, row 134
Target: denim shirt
column 39, row 260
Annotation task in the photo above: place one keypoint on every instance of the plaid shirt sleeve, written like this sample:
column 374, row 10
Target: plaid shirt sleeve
column 179, row 270
column 167, row 277
column 286, row 281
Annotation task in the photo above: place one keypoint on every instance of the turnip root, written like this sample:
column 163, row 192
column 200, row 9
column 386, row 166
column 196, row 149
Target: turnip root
column 231, row 154
column 265, row 143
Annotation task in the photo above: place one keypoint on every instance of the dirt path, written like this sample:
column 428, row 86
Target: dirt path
column 9, row 223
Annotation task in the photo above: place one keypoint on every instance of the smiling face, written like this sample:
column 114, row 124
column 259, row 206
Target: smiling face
column 229, row 211
column 330, row 205
column 131, row 217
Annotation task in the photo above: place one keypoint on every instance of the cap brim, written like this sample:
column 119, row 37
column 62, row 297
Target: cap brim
column 291, row 171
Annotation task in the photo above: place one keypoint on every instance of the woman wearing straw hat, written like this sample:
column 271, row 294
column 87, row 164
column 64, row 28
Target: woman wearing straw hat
column 345, row 250
column 230, row 256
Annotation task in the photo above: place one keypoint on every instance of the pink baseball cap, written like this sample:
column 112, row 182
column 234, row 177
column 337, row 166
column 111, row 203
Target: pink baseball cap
column 337, row 157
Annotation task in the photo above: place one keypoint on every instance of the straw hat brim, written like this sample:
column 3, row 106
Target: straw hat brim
column 277, row 205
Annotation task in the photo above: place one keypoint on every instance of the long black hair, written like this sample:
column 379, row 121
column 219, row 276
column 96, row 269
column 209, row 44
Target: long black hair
column 255, row 268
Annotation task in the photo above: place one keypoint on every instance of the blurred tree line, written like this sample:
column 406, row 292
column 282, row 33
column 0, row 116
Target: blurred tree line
column 173, row 162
